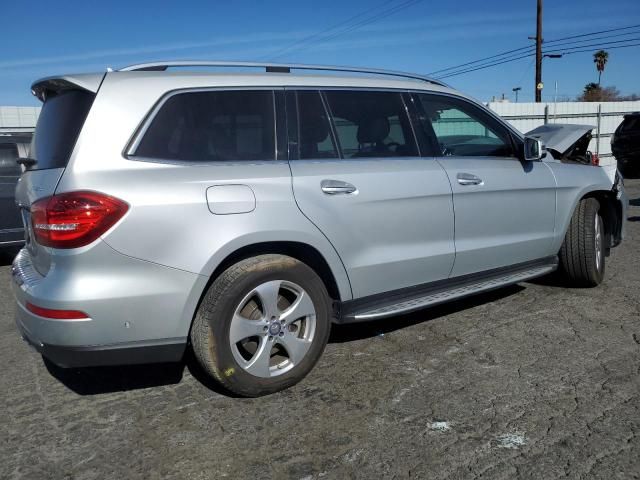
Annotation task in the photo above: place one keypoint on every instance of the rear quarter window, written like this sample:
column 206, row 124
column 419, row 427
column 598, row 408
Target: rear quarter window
column 58, row 127
column 212, row 126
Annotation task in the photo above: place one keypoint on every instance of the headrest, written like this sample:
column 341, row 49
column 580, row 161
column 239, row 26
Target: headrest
column 373, row 130
column 316, row 129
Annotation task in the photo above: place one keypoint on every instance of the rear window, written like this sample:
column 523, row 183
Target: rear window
column 212, row 126
column 58, row 127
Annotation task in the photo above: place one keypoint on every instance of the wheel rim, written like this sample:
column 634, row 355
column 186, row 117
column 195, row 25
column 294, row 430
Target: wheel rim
column 272, row 328
column 598, row 242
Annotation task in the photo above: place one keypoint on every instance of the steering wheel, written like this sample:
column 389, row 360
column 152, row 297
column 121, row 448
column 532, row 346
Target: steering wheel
column 446, row 151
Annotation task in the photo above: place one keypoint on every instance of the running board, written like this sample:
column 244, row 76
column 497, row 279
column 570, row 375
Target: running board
column 412, row 299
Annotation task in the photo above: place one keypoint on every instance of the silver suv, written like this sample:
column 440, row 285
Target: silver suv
column 243, row 213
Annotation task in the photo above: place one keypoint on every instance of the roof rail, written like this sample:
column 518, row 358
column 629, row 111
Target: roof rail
column 275, row 68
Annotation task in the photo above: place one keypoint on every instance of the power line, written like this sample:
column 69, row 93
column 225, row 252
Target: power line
column 608, row 48
column 319, row 38
column 595, row 45
column 594, row 33
column 373, row 19
column 516, row 56
column 604, row 37
column 565, row 51
column 279, row 53
column 482, row 59
column 485, row 66
column 531, row 47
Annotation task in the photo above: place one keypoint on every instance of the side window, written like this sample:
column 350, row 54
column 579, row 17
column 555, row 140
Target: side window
column 461, row 129
column 212, row 126
column 371, row 124
column 8, row 157
column 315, row 139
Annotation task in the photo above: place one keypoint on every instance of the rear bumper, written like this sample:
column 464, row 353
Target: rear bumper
column 139, row 312
column 104, row 355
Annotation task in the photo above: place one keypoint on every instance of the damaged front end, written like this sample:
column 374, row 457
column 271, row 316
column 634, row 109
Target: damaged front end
column 567, row 143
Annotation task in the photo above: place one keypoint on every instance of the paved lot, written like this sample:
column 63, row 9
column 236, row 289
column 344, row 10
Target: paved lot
column 533, row 381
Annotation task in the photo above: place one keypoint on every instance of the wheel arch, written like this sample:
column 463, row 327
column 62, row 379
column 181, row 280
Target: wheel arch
column 611, row 212
column 300, row 251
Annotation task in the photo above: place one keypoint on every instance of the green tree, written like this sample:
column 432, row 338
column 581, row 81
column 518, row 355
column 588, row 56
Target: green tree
column 600, row 58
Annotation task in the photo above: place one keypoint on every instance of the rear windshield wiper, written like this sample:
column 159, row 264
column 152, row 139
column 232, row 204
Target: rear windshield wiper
column 26, row 161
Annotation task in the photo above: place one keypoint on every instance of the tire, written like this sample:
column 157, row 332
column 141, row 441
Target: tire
column 582, row 256
column 274, row 348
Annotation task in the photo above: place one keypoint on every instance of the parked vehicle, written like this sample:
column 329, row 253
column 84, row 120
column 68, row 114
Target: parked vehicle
column 246, row 213
column 11, row 148
column 625, row 145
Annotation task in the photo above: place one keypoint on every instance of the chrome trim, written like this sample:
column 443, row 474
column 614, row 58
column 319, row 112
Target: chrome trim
column 162, row 66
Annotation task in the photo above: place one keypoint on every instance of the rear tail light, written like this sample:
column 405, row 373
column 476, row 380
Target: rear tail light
column 74, row 219
column 56, row 314
column 595, row 159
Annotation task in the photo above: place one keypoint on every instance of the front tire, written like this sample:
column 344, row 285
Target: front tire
column 262, row 325
column 582, row 256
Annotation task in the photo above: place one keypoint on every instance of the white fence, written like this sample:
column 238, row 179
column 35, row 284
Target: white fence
column 604, row 116
column 18, row 119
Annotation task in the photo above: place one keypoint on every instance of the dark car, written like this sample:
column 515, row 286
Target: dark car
column 625, row 145
column 11, row 148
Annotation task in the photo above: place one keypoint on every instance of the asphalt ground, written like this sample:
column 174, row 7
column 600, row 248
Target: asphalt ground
column 532, row 381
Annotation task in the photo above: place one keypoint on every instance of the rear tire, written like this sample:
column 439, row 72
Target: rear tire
column 262, row 325
column 582, row 256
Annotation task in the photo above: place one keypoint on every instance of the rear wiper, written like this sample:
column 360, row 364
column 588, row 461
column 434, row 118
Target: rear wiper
column 26, row 161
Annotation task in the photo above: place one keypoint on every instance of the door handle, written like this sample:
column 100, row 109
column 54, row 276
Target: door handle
column 337, row 187
column 469, row 179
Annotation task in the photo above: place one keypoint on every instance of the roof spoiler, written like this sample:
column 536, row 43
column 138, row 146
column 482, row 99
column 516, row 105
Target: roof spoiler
column 87, row 81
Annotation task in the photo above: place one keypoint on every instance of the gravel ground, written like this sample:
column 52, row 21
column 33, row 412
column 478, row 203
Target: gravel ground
column 532, row 381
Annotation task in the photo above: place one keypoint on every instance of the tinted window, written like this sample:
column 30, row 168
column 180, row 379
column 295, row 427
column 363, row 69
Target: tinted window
column 371, row 124
column 58, row 127
column 212, row 126
column 463, row 130
column 8, row 157
column 315, row 139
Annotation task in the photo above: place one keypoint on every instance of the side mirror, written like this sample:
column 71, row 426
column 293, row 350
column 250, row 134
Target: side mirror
column 534, row 149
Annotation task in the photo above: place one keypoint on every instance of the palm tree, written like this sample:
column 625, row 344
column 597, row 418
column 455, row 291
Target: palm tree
column 600, row 58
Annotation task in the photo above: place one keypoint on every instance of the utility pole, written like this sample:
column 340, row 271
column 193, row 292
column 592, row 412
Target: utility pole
column 538, row 37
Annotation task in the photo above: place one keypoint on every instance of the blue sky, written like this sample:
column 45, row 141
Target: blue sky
column 47, row 38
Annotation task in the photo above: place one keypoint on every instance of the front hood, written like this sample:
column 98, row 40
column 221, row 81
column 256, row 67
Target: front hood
column 560, row 138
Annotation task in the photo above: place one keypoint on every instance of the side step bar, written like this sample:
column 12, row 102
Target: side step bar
column 416, row 298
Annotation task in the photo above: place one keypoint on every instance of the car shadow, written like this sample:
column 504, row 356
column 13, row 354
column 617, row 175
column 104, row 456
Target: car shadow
column 101, row 380
column 97, row 380
column 359, row 331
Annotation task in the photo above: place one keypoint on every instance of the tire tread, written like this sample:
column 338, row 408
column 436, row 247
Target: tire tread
column 577, row 255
